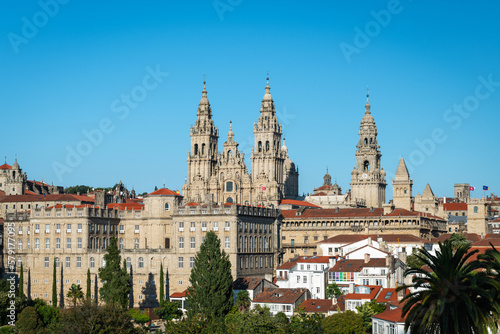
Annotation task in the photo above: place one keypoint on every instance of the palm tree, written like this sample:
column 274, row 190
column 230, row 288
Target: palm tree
column 450, row 294
column 242, row 300
column 75, row 292
column 457, row 240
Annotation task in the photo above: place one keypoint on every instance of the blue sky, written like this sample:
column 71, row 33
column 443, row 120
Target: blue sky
column 432, row 70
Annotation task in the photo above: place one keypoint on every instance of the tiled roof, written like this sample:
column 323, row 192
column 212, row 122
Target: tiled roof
column 390, row 315
column 325, row 187
column 27, row 192
column 472, row 237
column 2, row 193
column 179, row 294
column 367, row 246
column 282, row 296
column 313, row 259
column 126, row 206
column 5, row 166
column 357, row 265
column 408, row 213
column 486, row 243
column 350, row 238
column 298, row 203
column 164, row 192
column 47, row 198
column 320, row 194
column 387, row 296
column 287, row 265
column 454, row 206
column 317, row 305
column 374, row 289
column 246, row 283
column 332, row 213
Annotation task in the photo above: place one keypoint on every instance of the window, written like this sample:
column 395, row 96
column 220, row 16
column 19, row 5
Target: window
column 141, row 262
column 203, row 226
column 193, row 242
column 68, row 228
column 122, row 243
column 37, row 228
column 37, row 243
column 226, row 226
column 306, row 239
column 57, row 262
column 181, row 262
column 68, row 262
column 92, row 262
column 181, row 226
column 128, row 262
column 46, row 262
column 229, row 186
column 136, row 243
column 292, row 242
column 136, row 229
column 298, row 279
column 68, row 243
column 79, row 230
column 47, row 228
column 58, row 243
column 47, row 243
column 79, row 243
column 58, row 228
column 216, row 226
column 476, row 209
column 167, row 243
column 122, row 229
column 181, row 242
column 78, row 262
column 191, row 262
column 20, row 230
column 193, row 227
column 227, row 243
column 167, row 207
column 19, row 244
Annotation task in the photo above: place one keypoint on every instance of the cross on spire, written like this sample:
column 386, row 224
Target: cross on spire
column 204, row 78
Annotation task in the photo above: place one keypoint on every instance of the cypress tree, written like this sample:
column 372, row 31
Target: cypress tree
column 210, row 293
column 116, row 281
column 54, row 285
column 89, row 287
column 21, row 282
column 162, row 288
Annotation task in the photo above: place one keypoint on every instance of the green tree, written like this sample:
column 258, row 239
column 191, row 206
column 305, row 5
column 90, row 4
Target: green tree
column 140, row 317
column 29, row 322
column 413, row 261
column 454, row 295
column 162, row 285
column 211, row 292
column 169, row 310
column 367, row 310
column 48, row 314
column 242, row 300
column 347, row 322
column 457, row 240
column 305, row 323
column 54, row 285
column 116, row 281
column 75, row 292
column 333, row 290
column 258, row 320
column 88, row 318
column 89, row 285
column 21, row 282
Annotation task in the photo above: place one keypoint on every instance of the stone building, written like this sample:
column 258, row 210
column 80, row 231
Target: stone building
column 402, row 186
column 223, row 177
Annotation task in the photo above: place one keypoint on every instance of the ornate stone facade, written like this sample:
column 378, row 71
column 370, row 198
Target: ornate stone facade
column 223, row 177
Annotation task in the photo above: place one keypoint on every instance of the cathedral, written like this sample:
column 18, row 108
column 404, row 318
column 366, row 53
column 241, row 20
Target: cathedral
column 223, row 177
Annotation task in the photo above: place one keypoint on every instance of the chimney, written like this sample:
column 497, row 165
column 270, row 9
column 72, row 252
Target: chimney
column 351, row 287
column 403, row 257
column 369, row 241
column 367, row 257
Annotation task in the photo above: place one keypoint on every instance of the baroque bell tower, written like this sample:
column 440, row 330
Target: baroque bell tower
column 368, row 178
column 202, row 157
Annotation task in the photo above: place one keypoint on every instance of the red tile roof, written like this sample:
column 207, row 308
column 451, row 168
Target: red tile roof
column 47, row 198
column 282, row 296
column 374, row 289
column 246, row 283
column 298, row 203
column 287, row 265
column 313, row 259
column 317, row 305
column 387, row 295
column 350, row 238
column 391, row 315
column 179, row 294
column 126, row 206
column 366, row 246
column 164, row 192
column 5, row 166
column 486, row 243
column 332, row 213
column 454, row 206
column 27, row 192
column 320, row 194
column 472, row 237
column 357, row 265
column 325, row 187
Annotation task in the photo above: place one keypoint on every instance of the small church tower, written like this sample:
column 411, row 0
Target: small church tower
column 401, row 187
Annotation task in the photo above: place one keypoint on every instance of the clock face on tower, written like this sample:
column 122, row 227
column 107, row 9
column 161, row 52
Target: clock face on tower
column 364, row 175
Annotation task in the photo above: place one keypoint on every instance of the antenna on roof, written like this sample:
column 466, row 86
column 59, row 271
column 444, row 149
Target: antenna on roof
column 163, row 183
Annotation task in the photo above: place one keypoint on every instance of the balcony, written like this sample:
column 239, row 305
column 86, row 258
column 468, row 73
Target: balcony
column 226, row 228
column 181, row 229
column 216, row 229
column 192, row 229
column 204, row 229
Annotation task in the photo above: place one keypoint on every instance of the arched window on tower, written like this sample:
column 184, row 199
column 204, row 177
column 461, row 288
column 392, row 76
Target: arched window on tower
column 371, row 140
column 229, row 200
column 366, row 166
column 195, row 149
column 202, row 149
column 366, row 141
column 267, row 146
column 229, row 186
column 260, row 146
column 475, row 209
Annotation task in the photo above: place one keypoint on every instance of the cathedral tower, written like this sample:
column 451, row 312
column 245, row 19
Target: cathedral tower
column 368, row 178
column 401, row 187
column 202, row 157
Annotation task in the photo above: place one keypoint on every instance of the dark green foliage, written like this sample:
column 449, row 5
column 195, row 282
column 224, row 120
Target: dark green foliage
column 413, row 261
column 140, row 317
column 116, row 280
column 455, row 296
column 7, row 330
column 29, row 322
column 21, row 283
column 333, row 290
column 77, row 189
column 458, row 240
column 54, row 285
column 5, row 302
column 89, row 318
column 162, row 285
column 75, row 292
column 89, row 287
column 48, row 314
column 347, row 322
column 367, row 310
column 242, row 300
column 258, row 320
column 305, row 323
column 169, row 310
column 211, row 291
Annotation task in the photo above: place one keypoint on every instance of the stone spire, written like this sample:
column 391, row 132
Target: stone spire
column 402, row 172
column 267, row 104
column 204, row 106
column 428, row 192
column 367, row 105
column 327, row 179
column 230, row 134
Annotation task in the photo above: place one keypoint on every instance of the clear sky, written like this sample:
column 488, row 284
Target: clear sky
column 67, row 67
